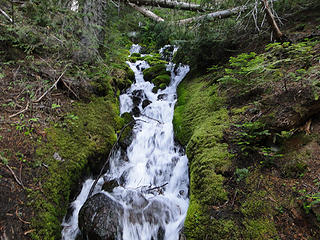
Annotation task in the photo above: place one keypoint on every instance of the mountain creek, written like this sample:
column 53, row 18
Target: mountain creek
column 142, row 147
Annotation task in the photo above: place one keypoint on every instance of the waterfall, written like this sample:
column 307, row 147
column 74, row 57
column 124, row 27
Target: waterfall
column 153, row 179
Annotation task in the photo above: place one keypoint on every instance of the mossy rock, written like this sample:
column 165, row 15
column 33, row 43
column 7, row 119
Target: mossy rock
column 155, row 71
column 163, row 80
column 135, row 55
column 199, row 123
column 154, row 59
column 134, row 59
column 130, row 73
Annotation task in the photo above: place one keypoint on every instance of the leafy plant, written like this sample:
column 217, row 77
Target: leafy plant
column 241, row 173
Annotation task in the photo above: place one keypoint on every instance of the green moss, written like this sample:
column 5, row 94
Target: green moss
column 199, row 225
column 154, row 59
column 260, row 228
column 256, row 205
column 154, row 71
column 199, row 123
column 130, row 73
column 163, row 80
column 133, row 59
column 135, row 55
column 89, row 131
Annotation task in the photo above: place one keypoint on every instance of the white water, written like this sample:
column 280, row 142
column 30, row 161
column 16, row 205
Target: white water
column 154, row 160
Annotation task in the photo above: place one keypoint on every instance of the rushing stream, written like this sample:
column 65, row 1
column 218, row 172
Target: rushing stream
column 153, row 178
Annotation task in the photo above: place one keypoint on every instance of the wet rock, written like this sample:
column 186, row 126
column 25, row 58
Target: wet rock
column 136, row 100
column 99, row 218
column 182, row 236
column 163, row 96
column 161, row 233
column 135, row 199
column 145, row 103
column 122, row 179
column 137, row 96
column 138, row 93
column 135, row 111
column 127, row 134
column 156, row 212
column 108, row 186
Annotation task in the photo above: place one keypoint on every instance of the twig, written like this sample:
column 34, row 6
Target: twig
column 6, row 15
column 21, row 218
column 151, row 118
column 69, row 88
column 154, row 188
column 15, row 176
column 234, row 198
column 54, row 85
column 22, row 111
column 108, row 158
column 29, row 231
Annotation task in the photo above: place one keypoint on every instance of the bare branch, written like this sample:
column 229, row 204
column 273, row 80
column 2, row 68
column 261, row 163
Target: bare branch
column 214, row 15
column 15, row 176
column 172, row 5
column 6, row 15
column 270, row 17
column 54, row 85
column 147, row 13
column 22, row 111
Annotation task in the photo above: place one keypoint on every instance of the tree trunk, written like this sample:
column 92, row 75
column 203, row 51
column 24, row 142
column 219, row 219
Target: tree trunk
column 93, row 34
column 172, row 4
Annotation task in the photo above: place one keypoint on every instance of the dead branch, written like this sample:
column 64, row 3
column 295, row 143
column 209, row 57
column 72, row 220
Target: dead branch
column 69, row 88
column 6, row 15
column 214, row 15
column 29, row 231
column 17, row 214
column 15, row 176
column 156, row 188
column 279, row 36
column 172, row 5
column 151, row 118
column 147, row 13
column 22, row 111
column 54, row 85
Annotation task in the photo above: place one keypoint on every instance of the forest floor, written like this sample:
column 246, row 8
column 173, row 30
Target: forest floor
column 22, row 125
column 24, row 117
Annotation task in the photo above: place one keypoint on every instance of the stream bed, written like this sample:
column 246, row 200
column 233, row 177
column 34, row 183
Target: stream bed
column 149, row 198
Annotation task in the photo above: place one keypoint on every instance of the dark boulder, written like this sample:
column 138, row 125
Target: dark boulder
column 137, row 96
column 135, row 112
column 145, row 103
column 99, row 218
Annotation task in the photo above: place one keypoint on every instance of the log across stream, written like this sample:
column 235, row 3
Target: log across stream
column 148, row 197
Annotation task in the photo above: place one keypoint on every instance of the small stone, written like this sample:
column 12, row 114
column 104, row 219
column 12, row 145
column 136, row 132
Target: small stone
column 57, row 157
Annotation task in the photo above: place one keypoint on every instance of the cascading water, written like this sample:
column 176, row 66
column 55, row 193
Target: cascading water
column 153, row 179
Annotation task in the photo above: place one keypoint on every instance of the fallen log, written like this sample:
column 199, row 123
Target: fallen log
column 214, row 15
column 147, row 13
column 172, row 4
